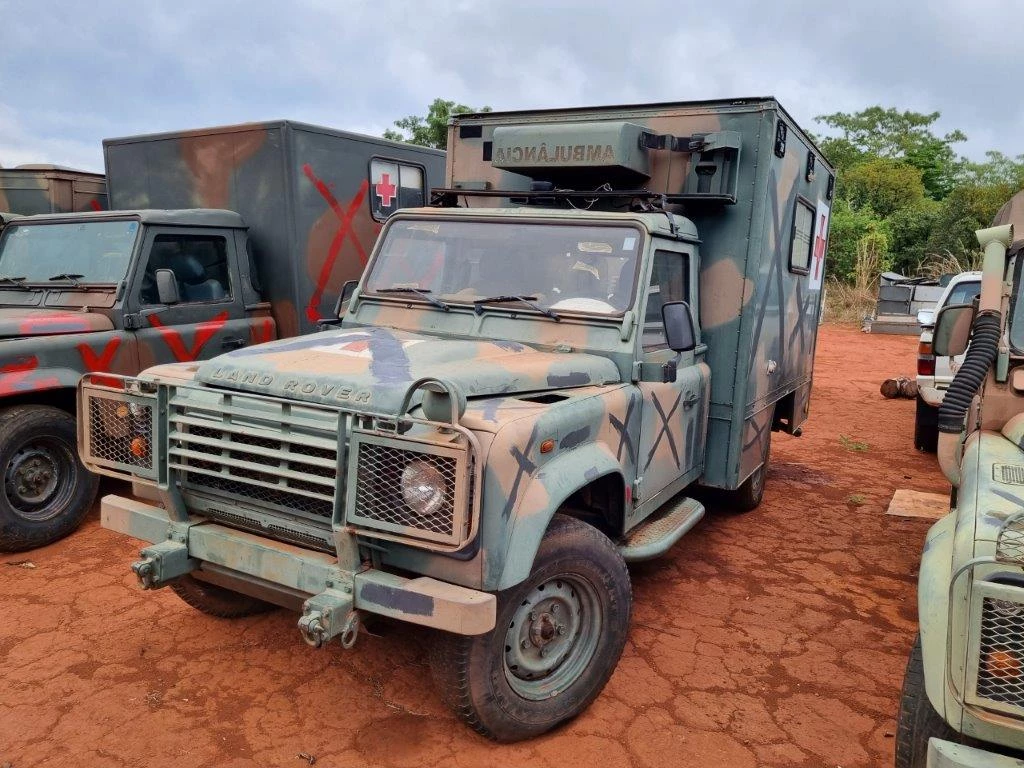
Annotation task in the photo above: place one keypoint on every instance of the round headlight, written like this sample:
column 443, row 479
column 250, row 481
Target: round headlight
column 423, row 488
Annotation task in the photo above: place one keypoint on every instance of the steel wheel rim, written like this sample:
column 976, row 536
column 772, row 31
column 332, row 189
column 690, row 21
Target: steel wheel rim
column 36, row 480
column 552, row 637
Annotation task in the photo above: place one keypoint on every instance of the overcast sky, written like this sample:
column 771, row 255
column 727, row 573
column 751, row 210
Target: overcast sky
column 73, row 73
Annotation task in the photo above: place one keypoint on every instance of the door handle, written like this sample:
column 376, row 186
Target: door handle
column 233, row 342
column 689, row 400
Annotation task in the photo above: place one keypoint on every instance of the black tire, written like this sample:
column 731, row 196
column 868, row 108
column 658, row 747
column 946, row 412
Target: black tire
column 926, row 427
column 217, row 601
column 578, row 566
column 45, row 492
column 918, row 721
column 748, row 496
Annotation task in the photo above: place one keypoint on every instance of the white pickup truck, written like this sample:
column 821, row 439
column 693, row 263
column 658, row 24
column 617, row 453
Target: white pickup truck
column 934, row 374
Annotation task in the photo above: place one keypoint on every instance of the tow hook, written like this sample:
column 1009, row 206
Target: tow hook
column 162, row 563
column 328, row 615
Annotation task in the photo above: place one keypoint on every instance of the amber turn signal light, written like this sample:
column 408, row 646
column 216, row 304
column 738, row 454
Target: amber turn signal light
column 139, row 447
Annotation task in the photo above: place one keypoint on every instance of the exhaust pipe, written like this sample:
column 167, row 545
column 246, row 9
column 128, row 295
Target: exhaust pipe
column 981, row 353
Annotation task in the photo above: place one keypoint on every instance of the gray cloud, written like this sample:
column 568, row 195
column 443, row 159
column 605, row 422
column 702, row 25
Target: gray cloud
column 71, row 76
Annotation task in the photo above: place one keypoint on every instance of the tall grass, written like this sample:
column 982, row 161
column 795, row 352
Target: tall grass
column 846, row 303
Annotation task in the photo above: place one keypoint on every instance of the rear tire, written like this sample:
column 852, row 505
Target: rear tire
column 45, row 491
column 918, row 721
column 217, row 601
column 557, row 639
column 748, row 496
column 926, row 427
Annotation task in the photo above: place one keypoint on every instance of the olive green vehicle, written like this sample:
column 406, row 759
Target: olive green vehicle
column 963, row 694
column 27, row 190
column 118, row 291
column 602, row 309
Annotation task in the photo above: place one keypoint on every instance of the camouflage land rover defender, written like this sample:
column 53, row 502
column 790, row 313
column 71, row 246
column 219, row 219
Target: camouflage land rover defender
column 517, row 399
column 963, row 694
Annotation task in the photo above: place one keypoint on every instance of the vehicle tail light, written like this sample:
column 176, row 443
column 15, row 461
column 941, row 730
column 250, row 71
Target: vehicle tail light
column 925, row 359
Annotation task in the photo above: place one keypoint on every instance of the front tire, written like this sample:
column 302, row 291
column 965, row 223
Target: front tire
column 215, row 600
column 918, row 721
column 45, row 491
column 557, row 639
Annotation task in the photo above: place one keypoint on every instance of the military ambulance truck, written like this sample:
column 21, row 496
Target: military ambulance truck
column 122, row 290
column 32, row 189
column 604, row 308
column 963, row 694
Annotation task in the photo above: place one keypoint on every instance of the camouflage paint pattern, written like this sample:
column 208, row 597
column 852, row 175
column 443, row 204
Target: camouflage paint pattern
column 304, row 191
column 33, row 189
column 574, row 414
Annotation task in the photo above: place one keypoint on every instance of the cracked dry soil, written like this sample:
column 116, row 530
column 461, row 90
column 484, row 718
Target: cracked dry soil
column 776, row 638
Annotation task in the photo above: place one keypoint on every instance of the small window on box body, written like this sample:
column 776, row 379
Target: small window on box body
column 803, row 238
column 395, row 185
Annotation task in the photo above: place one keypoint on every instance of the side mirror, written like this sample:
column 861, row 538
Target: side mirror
column 166, row 287
column 926, row 317
column 345, row 296
column 679, row 330
column 952, row 330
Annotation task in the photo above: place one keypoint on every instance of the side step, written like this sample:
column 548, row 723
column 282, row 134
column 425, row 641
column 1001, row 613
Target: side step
column 656, row 535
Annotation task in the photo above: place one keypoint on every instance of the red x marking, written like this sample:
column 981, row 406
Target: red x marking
column 95, row 205
column 262, row 331
column 14, row 377
column 344, row 230
column 99, row 362
column 204, row 332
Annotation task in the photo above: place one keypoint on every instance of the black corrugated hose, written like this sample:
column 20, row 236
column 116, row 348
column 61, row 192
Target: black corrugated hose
column 980, row 355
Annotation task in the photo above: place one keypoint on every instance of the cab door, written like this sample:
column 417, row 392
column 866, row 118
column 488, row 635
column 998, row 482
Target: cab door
column 210, row 316
column 671, row 452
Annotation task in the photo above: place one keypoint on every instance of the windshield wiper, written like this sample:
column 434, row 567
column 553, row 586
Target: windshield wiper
column 423, row 293
column 478, row 305
column 73, row 277
column 17, row 282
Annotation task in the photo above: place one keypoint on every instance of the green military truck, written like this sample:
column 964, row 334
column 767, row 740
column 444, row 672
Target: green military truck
column 144, row 284
column 27, row 190
column 602, row 309
column 963, row 694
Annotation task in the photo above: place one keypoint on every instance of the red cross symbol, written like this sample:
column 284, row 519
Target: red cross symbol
column 819, row 248
column 385, row 190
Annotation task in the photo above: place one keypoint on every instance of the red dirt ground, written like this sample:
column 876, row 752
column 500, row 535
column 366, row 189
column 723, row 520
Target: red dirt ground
column 776, row 638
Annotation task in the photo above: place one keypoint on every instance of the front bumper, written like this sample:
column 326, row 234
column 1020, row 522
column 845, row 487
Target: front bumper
column 946, row 754
column 330, row 595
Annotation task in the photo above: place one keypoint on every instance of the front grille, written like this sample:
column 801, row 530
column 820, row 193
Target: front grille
column 120, row 431
column 268, row 459
column 378, row 502
column 1001, row 652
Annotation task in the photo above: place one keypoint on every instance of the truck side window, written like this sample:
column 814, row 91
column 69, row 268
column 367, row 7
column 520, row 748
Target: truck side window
column 803, row 236
column 199, row 263
column 394, row 185
column 669, row 282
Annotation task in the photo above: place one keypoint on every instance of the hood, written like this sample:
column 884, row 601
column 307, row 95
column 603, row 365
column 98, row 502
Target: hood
column 20, row 322
column 372, row 368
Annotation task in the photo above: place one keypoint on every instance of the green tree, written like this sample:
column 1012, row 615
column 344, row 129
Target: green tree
column 996, row 169
column 432, row 130
column 968, row 208
column 908, row 230
column 890, row 133
column 849, row 229
column 883, row 185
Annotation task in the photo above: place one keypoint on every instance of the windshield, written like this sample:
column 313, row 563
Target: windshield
column 567, row 267
column 98, row 251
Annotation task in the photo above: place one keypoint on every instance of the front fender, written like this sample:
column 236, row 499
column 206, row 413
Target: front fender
column 933, row 609
column 41, row 363
column 547, row 490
